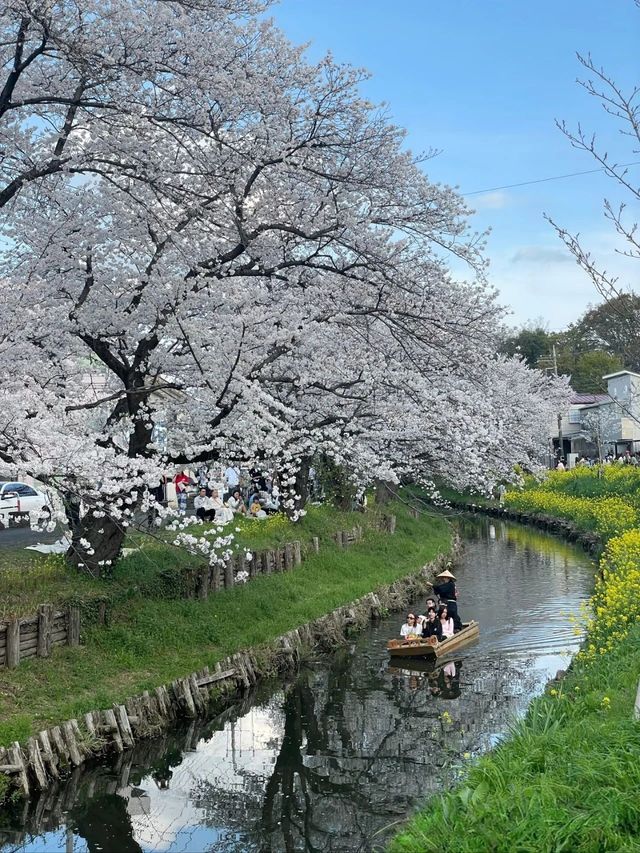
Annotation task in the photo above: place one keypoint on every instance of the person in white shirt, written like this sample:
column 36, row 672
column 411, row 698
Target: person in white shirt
column 205, row 509
column 236, row 503
column 410, row 628
column 232, row 479
column 222, row 513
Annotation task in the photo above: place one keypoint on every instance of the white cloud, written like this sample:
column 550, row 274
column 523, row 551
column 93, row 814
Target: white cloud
column 544, row 281
column 495, row 200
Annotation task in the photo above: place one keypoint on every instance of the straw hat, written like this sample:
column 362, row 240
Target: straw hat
column 446, row 574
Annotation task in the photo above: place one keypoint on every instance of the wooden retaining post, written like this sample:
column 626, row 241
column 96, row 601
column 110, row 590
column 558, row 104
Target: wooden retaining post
column 47, row 755
column 265, row 563
column 110, row 726
column 198, row 699
column 13, row 643
column 45, row 620
column 35, row 763
column 636, row 707
column 316, row 544
column 73, row 626
column 297, row 553
column 228, row 573
column 339, row 539
column 203, row 585
column 14, row 754
column 288, row 557
column 278, row 560
column 124, row 726
column 72, row 746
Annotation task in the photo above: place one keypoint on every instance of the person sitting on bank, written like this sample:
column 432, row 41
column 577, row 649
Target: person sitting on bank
column 447, row 592
column 446, row 622
column 204, row 507
column 236, row 503
column 410, row 627
column 431, row 626
column 256, row 511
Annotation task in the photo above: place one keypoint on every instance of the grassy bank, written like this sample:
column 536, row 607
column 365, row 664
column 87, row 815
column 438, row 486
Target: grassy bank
column 567, row 778
column 151, row 641
column 28, row 578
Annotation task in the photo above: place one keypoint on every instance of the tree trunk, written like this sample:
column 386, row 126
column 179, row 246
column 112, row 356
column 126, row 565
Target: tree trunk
column 385, row 491
column 105, row 538
column 300, row 487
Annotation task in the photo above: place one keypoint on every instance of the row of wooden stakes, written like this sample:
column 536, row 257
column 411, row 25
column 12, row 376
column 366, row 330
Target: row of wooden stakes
column 46, row 757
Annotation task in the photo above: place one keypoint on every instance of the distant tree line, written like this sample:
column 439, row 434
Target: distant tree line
column 605, row 339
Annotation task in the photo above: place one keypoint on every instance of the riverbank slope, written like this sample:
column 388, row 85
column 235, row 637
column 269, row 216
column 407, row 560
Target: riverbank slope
column 153, row 640
column 568, row 776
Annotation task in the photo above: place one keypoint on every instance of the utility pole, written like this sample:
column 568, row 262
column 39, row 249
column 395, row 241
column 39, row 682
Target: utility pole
column 555, row 370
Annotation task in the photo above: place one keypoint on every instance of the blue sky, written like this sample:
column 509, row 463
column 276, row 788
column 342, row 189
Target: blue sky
column 483, row 82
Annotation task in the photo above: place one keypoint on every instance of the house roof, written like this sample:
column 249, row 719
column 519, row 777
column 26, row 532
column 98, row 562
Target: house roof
column 621, row 373
column 588, row 399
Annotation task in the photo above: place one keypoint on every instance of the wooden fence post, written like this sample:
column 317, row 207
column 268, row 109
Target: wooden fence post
column 265, row 560
column 73, row 626
column 203, row 586
column 297, row 553
column 278, row 560
column 13, row 644
column 316, row 544
column 45, row 618
column 228, row 573
column 253, row 565
column 288, row 557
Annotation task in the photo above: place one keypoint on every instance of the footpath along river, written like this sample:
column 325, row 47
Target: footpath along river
column 332, row 760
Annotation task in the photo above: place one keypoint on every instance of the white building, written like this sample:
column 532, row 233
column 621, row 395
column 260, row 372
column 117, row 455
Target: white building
column 611, row 420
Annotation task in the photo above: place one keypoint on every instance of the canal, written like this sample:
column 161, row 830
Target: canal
column 336, row 758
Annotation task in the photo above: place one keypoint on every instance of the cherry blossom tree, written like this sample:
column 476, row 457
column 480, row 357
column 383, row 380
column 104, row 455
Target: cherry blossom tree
column 202, row 230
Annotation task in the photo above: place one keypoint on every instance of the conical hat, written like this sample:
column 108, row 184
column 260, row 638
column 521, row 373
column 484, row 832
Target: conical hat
column 446, row 574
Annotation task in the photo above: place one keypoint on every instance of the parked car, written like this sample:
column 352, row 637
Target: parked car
column 18, row 499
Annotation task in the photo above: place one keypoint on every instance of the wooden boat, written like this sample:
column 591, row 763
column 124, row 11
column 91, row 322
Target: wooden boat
column 431, row 648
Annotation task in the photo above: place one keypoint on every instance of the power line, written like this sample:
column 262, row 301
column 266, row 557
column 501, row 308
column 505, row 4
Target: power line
column 553, row 178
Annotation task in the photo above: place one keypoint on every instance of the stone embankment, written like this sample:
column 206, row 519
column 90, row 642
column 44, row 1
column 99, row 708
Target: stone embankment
column 47, row 758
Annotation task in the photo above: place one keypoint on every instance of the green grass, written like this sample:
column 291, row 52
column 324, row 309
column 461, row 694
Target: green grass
column 28, row 578
column 153, row 641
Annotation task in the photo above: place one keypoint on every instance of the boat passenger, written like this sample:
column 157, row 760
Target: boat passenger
column 410, row 627
column 431, row 626
column 431, row 602
column 447, row 592
column 446, row 622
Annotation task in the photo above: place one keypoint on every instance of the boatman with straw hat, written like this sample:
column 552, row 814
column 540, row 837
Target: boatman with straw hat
column 446, row 591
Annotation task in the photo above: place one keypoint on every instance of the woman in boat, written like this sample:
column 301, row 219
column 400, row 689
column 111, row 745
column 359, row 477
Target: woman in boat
column 431, row 626
column 410, row 627
column 446, row 622
column 446, row 591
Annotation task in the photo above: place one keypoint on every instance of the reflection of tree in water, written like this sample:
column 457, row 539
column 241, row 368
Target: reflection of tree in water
column 104, row 822
column 358, row 749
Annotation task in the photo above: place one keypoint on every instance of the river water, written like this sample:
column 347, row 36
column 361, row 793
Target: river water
column 334, row 759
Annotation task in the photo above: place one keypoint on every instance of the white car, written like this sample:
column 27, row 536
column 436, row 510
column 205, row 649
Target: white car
column 19, row 499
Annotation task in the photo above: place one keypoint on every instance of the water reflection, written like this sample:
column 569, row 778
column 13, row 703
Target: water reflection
column 330, row 761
